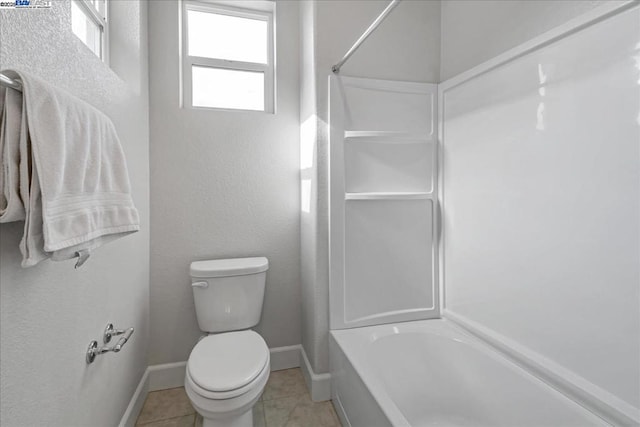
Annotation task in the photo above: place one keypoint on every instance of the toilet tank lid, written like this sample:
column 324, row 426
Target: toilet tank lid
column 229, row 267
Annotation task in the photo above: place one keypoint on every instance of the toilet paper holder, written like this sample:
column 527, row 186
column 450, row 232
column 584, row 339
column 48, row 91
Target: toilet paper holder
column 109, row 332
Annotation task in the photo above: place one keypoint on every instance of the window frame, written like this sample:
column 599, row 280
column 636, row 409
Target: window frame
column 102, row 21
column 262, row 10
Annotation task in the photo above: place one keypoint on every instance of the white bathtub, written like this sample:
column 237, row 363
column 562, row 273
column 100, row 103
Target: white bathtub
column 431, row 373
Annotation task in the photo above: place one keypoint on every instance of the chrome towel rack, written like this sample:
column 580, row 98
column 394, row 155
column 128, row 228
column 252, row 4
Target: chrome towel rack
column 9, row 82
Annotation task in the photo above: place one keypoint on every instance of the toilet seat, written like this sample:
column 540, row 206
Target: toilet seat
column 224, row 366
column 226, row 395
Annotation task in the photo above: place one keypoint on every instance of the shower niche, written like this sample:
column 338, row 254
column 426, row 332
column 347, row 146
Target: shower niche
column 383, row 201
column 388, row 164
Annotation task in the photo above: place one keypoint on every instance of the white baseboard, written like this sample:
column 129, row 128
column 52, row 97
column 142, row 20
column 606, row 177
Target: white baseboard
column 285, row 357
column 171, row 375
column 340, row 412
column 319, row 385
column 155, row 377
column 167, row 375
column 137, row 400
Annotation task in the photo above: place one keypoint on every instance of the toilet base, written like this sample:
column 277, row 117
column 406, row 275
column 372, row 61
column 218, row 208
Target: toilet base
column 244, row 420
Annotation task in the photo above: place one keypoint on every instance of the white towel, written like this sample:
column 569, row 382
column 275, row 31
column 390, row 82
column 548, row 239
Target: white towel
column 63, row 172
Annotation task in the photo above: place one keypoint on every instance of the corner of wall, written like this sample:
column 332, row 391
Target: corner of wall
column 319, row 385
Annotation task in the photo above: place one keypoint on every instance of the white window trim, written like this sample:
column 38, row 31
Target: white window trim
column 263, row 11
column 102, row 23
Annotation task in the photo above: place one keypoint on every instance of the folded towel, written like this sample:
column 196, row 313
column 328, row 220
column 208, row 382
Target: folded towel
column 11, row 208
column 63, row 172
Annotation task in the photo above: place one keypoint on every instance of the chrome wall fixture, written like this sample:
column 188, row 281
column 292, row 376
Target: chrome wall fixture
column 9, row 82
column 109, row 332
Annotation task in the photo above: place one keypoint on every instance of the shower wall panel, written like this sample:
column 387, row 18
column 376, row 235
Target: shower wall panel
column 382, row 216
column 541, row 193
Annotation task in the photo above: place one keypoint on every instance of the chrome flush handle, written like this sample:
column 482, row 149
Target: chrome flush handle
column 200, row 284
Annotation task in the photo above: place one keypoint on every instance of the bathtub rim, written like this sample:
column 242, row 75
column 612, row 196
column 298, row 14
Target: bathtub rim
column 442, row 327
column 596, row 400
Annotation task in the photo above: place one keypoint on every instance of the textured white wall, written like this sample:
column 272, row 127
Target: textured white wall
column 223, row 184
column 49, row 313
column 474, row 31
column 405, row 47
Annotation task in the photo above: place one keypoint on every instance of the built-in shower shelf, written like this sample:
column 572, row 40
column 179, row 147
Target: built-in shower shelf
column 386, row 136
column 388, row 196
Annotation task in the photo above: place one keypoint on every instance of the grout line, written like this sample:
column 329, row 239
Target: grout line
column 166, row 419
column 193, row 411
column 164, row 389
column 264, row 416
column 260, row 402
column 306, row 391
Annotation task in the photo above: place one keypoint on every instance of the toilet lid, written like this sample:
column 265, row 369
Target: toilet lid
column 228, row 361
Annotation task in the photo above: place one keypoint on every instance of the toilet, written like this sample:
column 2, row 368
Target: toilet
column 229, row 367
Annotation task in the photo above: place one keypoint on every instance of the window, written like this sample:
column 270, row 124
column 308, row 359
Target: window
column 227, row 55
column 89, row 23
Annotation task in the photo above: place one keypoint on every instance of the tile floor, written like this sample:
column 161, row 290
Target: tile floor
column 285, row 402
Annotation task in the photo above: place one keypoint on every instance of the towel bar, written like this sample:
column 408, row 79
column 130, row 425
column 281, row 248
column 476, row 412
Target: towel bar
column 9, row 82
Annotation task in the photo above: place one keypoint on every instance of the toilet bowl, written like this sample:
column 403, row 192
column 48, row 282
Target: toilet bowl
column 226, row 374
column 228, row 369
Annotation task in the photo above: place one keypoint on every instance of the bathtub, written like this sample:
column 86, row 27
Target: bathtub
column 432, row 373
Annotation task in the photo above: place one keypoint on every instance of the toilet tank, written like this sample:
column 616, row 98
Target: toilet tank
column 228, row 293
